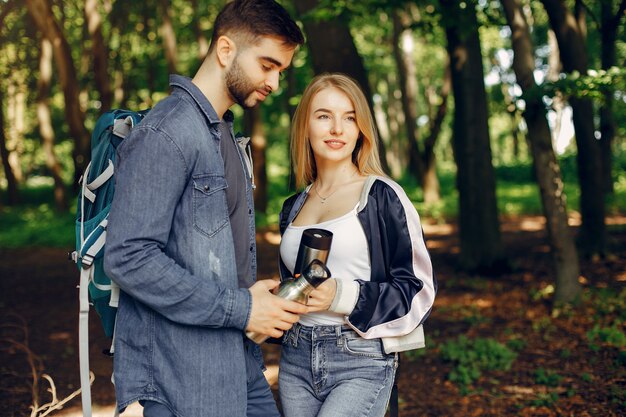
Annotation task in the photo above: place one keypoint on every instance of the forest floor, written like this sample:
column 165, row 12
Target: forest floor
column 558, row 371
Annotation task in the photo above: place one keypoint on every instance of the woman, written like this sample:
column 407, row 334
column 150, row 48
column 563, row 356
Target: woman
column 340, row 359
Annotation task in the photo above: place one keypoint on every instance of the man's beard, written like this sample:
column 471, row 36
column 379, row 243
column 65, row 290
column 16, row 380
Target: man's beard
column 239, row 86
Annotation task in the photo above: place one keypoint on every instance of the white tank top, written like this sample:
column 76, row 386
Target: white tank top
column 348, row 258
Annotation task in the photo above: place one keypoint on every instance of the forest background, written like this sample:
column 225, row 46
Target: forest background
column 505, row 122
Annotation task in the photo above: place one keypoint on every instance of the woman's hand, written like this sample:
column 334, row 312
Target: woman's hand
column 322, row 297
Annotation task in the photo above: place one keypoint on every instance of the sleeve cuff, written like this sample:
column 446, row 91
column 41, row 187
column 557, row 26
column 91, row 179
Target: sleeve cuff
column 240, row 307
column 345, row 298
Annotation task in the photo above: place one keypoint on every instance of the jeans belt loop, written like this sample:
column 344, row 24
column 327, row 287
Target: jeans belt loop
column 340, row 336
column 295, row 333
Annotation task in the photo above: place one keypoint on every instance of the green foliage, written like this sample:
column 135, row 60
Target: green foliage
column 613, row 336
column 607, row 303
column 137, row 66
column 35, row 222
column 471, row 357
column 545, row 326
column 517, row 344
column 547, row 377
column 596, row 84
column 547, row 399
column 544, row 293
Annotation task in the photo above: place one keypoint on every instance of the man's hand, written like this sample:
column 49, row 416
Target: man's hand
column 322, row 297
column 270, row 314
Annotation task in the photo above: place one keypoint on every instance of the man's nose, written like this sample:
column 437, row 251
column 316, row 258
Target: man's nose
column 273, row 80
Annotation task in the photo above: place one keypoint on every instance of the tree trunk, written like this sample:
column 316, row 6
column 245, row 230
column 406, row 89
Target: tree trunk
column 554, row 69
column 12, row 191
column 431, row 182
column 100, row 54
column 254, row 128
column 479, row 228
column 203, row 43
column 169, row 36
column 569, row 34
column 41, row 12
column 608, row 33
column 547, row 171
column 384, row 132
column 395, row 117
column 16, row 115
column 421, row 162
column 403, row 46
column 332, row 49
column 45, row 123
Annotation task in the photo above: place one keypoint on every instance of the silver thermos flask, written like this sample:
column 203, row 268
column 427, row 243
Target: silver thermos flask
column 310, row 271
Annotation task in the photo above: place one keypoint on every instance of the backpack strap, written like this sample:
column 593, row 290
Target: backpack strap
column 86, row 274
column 93, row 245
column 97, row 183
column 121, row 127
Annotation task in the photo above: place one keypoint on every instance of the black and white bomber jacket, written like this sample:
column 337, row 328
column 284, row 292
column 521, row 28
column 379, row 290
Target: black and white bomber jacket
column 399, row 296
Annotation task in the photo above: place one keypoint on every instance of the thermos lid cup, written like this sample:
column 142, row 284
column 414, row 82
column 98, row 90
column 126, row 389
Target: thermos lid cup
column 319, row 239
column 316, row 272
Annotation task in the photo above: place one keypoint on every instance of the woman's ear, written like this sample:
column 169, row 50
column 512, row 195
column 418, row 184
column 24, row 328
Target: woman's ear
column 226, row 50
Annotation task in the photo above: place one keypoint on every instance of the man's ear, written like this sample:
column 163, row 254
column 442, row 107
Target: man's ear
column 226, row 50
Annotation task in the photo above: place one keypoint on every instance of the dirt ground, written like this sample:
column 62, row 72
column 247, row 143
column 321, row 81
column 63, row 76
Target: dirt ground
column 39, row 320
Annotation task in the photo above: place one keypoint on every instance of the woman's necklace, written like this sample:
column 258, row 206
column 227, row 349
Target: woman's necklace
column 323, row 199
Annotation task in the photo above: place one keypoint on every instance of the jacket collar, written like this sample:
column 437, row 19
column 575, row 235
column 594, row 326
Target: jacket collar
column 185, row 83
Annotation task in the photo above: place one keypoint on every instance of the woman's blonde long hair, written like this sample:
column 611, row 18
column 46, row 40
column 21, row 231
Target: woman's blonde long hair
column 365, row 155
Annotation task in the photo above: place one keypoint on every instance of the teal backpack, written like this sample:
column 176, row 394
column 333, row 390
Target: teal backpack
column 92, row 211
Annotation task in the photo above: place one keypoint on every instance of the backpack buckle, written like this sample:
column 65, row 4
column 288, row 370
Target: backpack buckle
column 87, row 261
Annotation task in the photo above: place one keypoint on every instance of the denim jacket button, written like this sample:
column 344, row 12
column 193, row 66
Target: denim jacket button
column 206, row 188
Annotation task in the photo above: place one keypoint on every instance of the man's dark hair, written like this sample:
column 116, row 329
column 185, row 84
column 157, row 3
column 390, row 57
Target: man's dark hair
column 252, row 19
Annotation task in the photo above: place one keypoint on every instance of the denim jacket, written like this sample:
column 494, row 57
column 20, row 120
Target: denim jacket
column 178, row 339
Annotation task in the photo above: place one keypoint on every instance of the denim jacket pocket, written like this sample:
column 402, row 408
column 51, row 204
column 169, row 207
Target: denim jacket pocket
column 210, row 211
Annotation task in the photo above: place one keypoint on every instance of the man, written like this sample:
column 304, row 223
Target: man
column 181, row 239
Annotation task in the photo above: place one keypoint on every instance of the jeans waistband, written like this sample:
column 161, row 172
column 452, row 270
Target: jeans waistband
column 321, row 332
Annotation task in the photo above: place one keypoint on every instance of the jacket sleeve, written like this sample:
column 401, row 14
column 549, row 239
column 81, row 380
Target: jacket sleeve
column 402, row 288
column 283, row 222
column 151, row 176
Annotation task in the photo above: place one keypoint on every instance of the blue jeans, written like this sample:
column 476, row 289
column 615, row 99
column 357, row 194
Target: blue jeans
column 330, row 371
column 260, row 398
